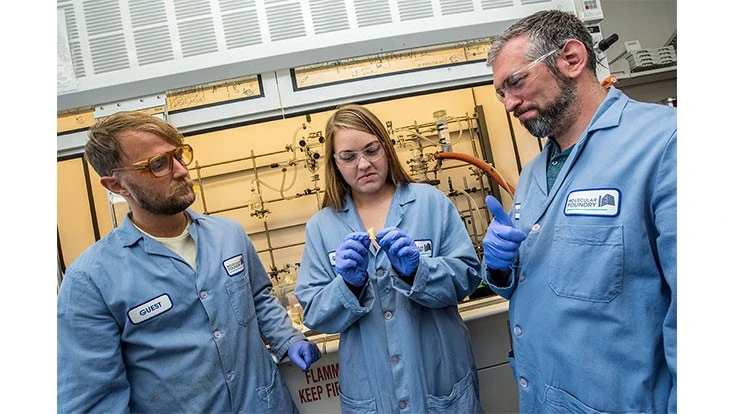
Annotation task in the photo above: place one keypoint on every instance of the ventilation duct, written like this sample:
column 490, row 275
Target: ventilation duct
column 113, row 50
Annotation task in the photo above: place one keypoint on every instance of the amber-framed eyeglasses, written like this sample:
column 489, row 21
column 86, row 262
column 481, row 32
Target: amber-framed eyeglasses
column 160, row 165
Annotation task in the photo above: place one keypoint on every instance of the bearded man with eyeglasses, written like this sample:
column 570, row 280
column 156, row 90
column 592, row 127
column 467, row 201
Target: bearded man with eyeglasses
column 168, row 312
column 588, row 254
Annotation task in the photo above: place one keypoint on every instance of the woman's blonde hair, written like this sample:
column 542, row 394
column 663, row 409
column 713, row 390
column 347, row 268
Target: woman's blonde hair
column 359, row 118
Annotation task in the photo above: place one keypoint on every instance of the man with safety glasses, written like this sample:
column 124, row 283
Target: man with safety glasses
column 588, row 254
column 168, row 312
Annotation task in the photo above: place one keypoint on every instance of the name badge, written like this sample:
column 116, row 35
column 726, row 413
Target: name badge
column 234, row 265
column 150, row 309
column 424, row 246
column 593, row 202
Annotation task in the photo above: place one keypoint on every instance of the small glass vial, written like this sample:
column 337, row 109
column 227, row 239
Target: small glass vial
column 440, row 119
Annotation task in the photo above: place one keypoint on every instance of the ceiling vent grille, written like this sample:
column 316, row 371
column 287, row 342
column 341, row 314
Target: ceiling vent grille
column 495, row 4
column 147, row 13
column 449, row 7
column 109, row 53
column 241, row 29
column 102, row 17
column 328, row 16
column 415, row 9
column 197, row 37
column 285, row 21
column 153, row 45
column 72, row 33
column 191, row 8
column 372, row 12
column 123, row 49
column 232, row 5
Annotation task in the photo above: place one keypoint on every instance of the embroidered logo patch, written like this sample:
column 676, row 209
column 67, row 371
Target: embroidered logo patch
column 234, row 265
column 150, row 309
column 593, row 202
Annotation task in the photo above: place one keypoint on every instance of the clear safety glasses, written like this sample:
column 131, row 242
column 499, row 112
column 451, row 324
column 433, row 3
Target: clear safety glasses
column 372, row 152
column 160, row 165
column 516, row 82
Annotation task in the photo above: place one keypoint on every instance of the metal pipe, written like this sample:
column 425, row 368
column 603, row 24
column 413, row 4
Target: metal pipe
column 265, row 222
column 480, row 164
column 252, row 157
column 201, row 188
column 91, row 201
column 284, row 246
column 472, row 209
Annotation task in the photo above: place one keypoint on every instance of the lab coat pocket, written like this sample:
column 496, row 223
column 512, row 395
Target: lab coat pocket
column 462, row 399
column 351, row 406
column 588, row 262
column 275, row 397
column 557, row 401
column 241, row 298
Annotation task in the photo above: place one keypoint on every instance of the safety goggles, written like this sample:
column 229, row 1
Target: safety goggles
column 160, row 165
column 517, row 81
column 373, row 152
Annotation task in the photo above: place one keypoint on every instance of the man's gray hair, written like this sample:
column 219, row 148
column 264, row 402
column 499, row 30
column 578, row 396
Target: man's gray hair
column 547, row 30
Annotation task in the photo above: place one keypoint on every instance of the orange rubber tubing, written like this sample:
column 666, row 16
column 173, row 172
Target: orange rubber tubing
column 480, row 164
column 608, row 81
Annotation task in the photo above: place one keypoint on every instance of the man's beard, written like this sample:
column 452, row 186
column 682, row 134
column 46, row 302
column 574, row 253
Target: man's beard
column 159, row 204
column 556, row 115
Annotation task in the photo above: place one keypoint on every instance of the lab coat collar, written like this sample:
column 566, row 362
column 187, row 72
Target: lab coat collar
column 609, row 112
column 607, row 115
column 403, row 195
column 130, row 235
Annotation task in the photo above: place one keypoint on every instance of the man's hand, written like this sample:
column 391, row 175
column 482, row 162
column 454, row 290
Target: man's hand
column 303, row 353
column 502, row 240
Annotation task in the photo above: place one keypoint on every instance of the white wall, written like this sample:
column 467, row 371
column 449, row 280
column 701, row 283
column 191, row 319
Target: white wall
column 651, row 22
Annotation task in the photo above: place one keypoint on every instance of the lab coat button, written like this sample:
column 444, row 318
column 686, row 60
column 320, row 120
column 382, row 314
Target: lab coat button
column 380, row 272
column 517, row 330
column 523, row 382
column 388, row 315
column 536, row 227
column 394, row 359
column 203, row 294
column 522, row 278
column 218, row 334
column 402, row 404
column 229, row 376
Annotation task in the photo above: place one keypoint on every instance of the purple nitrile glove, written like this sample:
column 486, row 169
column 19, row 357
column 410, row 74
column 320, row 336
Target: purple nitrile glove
column 303, row 353
column 351, row 259
column 400, row 249
column 502, row 240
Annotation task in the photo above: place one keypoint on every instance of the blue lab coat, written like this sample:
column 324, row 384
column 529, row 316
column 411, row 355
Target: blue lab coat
column 401, row 346
column 140, row 331
column 593, row 297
